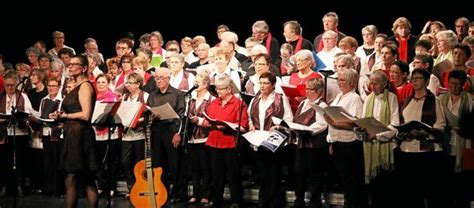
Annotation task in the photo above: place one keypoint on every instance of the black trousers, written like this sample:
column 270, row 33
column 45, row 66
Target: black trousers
column 21, row 151
column 271, row 193
column 310, row 166
column 4, row 165
column 108, row 154
column 349, row 163
column 131, row 153
column 422, row 177
column 54, row 178
column 198, row 159
column 168, row 157
column 224, row 162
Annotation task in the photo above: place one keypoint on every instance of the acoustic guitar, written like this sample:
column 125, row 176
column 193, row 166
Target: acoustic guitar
column 148, row 190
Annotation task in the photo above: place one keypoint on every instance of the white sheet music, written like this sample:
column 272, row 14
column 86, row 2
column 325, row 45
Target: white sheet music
column 164, row 111
column 128, row 112
column 268, row 139
column 256, row 137
column 291, row 125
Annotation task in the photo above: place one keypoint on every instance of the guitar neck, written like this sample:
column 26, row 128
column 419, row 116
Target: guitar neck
column 147, row 130
column 148, row 161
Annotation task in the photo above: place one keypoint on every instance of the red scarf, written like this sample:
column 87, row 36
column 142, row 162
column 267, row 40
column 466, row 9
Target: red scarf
column 283, row 69
column 93, row 80
column 107, row 96
column 299, row 44
column 2, row 88
column 121, row 79
column 159, row 51
column 147, row 77
column 268, row 42
column 403, row 48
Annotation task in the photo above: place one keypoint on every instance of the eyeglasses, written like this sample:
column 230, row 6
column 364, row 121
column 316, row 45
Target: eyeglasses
column 10, row 85
column 221, row 88
column 129, row 83
column 172, row 49
column 74, row 64
column 258, row 33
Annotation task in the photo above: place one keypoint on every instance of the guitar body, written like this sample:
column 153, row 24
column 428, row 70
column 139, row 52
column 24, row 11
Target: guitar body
column 140, row 194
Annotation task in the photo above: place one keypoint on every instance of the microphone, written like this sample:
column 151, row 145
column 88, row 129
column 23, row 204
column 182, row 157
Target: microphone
column 191, row 90
column 22, row 81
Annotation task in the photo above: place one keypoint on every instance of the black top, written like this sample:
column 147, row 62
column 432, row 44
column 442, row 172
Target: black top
column 172, row 96
column 78, row 152
column 35, row 97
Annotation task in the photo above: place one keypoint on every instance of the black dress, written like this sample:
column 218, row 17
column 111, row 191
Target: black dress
column 79, row 154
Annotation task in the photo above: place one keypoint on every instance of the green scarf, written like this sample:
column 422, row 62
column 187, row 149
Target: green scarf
column 460, row 142
column 378, row 155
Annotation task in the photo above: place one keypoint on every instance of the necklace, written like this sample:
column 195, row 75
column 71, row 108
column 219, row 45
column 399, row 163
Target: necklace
column 418, row 99
column 134, row 96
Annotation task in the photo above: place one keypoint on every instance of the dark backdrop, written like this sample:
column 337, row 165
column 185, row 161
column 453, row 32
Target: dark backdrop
column 107, row 24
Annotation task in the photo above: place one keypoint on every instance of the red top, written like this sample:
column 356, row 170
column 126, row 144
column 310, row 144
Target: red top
column 296, row 80
column 403, row 92
column 229, row 112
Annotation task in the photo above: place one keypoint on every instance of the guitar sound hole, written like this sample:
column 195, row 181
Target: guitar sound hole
column 145, row 176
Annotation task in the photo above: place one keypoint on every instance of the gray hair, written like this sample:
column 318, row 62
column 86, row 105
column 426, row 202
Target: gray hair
column 370, row 28
column 350, row 75
column 261, row 26
column 450, row 37
column 380, row 75
column 306, row 54
column 162, row 71
column 226, row 82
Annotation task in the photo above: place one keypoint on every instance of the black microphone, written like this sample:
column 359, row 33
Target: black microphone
column 192, row 89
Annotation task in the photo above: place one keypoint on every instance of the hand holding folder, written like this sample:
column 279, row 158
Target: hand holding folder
column 226, row 124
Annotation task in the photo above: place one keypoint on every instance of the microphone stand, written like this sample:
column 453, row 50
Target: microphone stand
column 187, row 100
column 238, row 134
column 12, row 124
column 184, row 159
column 111, row 126
column 107, row 160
